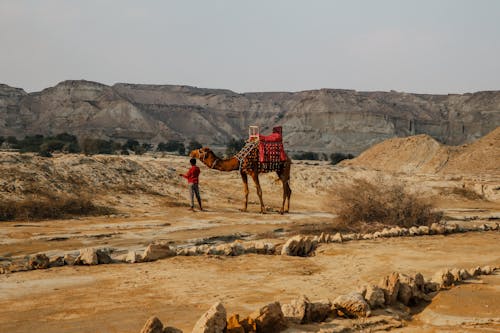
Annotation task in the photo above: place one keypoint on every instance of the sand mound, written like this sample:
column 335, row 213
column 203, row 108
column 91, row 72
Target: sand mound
column 423, row 154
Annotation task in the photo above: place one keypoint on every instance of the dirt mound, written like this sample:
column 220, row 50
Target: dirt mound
column 423, row 154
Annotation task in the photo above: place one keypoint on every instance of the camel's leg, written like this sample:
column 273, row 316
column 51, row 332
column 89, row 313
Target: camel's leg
column 255, row 177
column 244, row 177
column 287, row 192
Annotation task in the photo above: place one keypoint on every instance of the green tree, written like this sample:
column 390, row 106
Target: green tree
column 193, row 144
column 234, row 146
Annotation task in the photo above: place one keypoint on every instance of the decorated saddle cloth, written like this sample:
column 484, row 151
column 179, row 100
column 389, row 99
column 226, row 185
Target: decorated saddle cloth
column 271, row 147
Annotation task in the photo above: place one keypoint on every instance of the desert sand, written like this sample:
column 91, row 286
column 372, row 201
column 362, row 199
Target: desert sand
column 151, row 202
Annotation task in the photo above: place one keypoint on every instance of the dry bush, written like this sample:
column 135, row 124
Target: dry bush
column 383, row 204
column 50, row 206
column 465, row 193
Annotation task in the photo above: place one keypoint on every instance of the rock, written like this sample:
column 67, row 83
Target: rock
column 69, row 259
column 390, row 286
column 249, row 325
column 132, row 257
column 451, row 228
column 153, row 325
column 464, row 275
column 269, row 319
column 377, row 234
column 212, row 321
column 456, row 274
column 352, row 305
column 56, row 261
column 374, row 296
column 431, row 286
column 87, row 256
column 302, row 311
column 486, row 270
column 170, row 329
column 413, row 231
column 406, row 285
column 368, row 236
column 474, row 272
column 437, row 229
column 443, row 278
column 298, row 246
column 233, row 324
column 337, row 238
column 264, row 248
column 423, row 230
column 159, row 250
column 322, row 238
column 234, row 249
column 296, row 311
column 38, row 261
column 104, row 256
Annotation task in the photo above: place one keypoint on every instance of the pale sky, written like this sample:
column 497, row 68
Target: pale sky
column 421, row 46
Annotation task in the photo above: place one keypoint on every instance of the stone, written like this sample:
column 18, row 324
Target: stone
column 437, row 229
column 319, row 311
column 374, row 296
column 390, row 286
column 474, row 272
column 132, row 257
column 249, row 325
column 269, row 319
column 368, row 236
column 486, row 270
column 451, row 228
column 443, row 278
column 296, row 311
column 212, row 321
column 158, row 250
column 377, row 234
column 38, row 261
column 352, row 305
column 298, row 245
column 464, row 275
column 322, row 238
column 423, row 230
column 104, row 256
column 264, row 247
column 456, row 274
column 233, row 324
column 69, row 259
column 87, row 256
column 170, row 329
column 406, row 285
column 153, row 325
column 413, row 231
column 234, row 249
column 56, row 261
column 337, row 238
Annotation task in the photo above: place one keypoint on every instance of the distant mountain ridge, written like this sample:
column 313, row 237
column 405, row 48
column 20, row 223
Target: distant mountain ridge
column 325, row 120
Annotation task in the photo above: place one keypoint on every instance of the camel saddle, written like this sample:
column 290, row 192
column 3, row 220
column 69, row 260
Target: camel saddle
column 271, row 147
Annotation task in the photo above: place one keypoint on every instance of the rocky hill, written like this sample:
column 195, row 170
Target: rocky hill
column 325, row 120
column 422, row 153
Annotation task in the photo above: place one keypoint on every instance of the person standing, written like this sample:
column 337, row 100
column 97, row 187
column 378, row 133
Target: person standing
column 192, row 177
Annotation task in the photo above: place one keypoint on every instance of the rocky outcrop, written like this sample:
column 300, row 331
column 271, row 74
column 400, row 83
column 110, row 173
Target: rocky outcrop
column 213, row 321
column 326, row 120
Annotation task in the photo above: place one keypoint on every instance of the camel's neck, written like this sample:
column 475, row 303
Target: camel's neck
column 214, row 162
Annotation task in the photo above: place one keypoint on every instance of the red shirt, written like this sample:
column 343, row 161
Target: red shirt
column 192, row 175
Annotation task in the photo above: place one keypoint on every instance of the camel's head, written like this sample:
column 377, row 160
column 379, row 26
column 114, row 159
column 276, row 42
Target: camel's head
column 200, row 153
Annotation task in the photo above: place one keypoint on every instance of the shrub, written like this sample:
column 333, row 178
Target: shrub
column 193, row 144
column 172, row 146
column 234, row 146
column 385, row 204
column 308, row 155
column 50, row 207
column 97, row 146
column 337, row 157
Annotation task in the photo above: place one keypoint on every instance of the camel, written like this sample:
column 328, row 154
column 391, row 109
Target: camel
column 250, row 166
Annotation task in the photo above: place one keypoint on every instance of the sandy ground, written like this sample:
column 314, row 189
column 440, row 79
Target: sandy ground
column 120, row 297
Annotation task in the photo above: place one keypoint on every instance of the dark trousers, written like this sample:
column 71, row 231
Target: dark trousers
column 194, row 190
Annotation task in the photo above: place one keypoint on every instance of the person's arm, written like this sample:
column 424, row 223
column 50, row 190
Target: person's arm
column 188, row 174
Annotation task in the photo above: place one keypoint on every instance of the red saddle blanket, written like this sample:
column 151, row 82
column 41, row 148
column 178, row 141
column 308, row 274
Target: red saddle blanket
column 271, row 151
